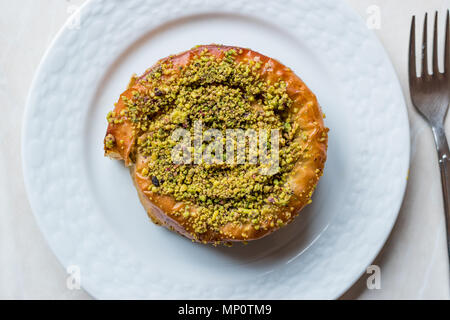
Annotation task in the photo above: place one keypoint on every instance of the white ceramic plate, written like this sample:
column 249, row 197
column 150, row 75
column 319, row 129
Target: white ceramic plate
column 86, row 204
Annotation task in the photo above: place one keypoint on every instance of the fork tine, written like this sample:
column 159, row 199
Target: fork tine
column 412, row 52
column 447, row 45
column 435, row 46
column 425, row 48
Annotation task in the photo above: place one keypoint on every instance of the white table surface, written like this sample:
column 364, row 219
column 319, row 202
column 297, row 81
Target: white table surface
column 414, row 263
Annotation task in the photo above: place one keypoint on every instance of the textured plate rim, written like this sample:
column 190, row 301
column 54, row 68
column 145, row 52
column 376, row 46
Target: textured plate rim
column 26, row 118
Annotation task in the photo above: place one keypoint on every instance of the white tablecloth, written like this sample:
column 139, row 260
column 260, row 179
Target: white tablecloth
column 414, row 262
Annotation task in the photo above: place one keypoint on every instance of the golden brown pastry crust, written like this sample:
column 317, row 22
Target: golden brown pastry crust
column 303, row 179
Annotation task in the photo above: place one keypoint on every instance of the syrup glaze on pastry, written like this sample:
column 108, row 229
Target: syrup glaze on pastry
column 224, row 88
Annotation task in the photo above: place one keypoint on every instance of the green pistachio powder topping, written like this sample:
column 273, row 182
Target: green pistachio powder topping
column 223, row 94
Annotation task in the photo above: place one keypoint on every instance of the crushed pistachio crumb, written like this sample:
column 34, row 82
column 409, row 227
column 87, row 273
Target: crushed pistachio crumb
column 110, row 141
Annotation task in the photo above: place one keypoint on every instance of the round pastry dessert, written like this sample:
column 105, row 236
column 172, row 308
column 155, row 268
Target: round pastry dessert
column 224, row 144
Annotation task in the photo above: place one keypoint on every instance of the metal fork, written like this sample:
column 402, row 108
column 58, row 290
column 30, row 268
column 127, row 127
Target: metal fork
column 430, row 94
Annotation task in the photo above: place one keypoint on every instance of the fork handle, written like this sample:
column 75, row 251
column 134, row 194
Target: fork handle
column 444, row 165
